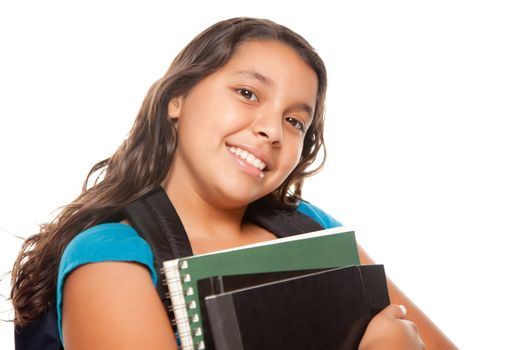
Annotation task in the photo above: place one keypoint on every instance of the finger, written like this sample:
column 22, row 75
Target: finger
column 395, row 311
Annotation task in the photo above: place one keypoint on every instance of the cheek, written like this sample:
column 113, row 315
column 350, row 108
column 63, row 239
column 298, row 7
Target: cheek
column 294, row 154
column 217, row 115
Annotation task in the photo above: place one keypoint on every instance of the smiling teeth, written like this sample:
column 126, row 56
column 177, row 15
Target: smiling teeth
column 248, row 157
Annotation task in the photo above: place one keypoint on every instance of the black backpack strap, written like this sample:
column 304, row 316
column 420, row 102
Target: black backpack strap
column 281, row 221
column 155, row 219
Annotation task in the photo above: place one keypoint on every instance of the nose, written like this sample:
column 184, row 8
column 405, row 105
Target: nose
column 269, row 126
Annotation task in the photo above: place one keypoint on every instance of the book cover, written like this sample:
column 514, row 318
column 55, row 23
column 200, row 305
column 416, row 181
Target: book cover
column 221, row 284
column 329, row 309
column 322, row 249
column 373, row 280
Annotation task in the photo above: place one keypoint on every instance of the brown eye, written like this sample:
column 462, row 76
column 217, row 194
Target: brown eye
column 248, row 94
column 295, row 123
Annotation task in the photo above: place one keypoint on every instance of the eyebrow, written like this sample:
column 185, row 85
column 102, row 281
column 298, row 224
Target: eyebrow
column 254, row 75
column 269, row 82
column 304, row 107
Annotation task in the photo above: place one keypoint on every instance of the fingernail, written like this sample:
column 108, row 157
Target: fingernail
column 403, row 309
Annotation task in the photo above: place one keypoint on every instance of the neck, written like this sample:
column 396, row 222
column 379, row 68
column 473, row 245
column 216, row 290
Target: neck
column 203, row 220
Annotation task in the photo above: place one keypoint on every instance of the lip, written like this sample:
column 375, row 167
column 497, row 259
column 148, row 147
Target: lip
column 257, row 153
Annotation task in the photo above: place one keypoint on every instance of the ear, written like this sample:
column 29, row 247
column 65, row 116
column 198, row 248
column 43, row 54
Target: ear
column 175, row 107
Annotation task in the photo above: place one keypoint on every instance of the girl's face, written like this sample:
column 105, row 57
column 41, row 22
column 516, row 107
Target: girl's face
column 241, row 129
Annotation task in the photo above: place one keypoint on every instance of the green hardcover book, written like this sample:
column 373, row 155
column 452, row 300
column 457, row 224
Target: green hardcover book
column 322, row 249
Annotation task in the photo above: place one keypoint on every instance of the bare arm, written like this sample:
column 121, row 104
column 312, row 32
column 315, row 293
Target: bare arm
column 430, row 333
column 114, row 305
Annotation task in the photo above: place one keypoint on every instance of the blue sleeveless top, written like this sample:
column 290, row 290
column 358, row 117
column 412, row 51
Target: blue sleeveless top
column 120, row 242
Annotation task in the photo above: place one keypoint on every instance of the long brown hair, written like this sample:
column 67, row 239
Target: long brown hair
column 143, row 159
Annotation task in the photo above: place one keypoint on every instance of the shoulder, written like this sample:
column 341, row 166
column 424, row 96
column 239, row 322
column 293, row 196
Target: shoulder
column 116, row 296
column 317, row 214
column 106, row 242
column 111, row 242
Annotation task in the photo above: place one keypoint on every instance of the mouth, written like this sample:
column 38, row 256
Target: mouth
column 248, row 157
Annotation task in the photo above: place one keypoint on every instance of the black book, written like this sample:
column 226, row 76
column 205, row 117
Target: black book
column 221, row 284
column 314, row 309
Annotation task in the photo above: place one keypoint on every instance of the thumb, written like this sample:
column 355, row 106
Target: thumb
column 395, row 311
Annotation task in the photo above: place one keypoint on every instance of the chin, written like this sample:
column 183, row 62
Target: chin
column 232, row 201
column 235, row 191
column 237, row 198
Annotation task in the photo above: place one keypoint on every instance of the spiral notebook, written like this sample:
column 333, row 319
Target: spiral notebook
column 321, row 249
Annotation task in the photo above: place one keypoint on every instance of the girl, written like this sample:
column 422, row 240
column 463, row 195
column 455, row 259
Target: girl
column 237, row 119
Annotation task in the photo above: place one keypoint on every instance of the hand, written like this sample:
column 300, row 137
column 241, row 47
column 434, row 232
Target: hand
column 389, row 330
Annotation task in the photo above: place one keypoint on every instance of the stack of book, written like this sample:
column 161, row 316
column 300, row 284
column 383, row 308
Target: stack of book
column 303, row 292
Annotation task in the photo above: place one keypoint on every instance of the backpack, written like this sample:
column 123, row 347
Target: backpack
column 156, row 221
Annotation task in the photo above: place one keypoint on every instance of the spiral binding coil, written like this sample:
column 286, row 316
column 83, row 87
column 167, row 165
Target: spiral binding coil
column 183, row 300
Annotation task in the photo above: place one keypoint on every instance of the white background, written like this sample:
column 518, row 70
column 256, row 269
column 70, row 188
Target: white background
column 424, row 130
